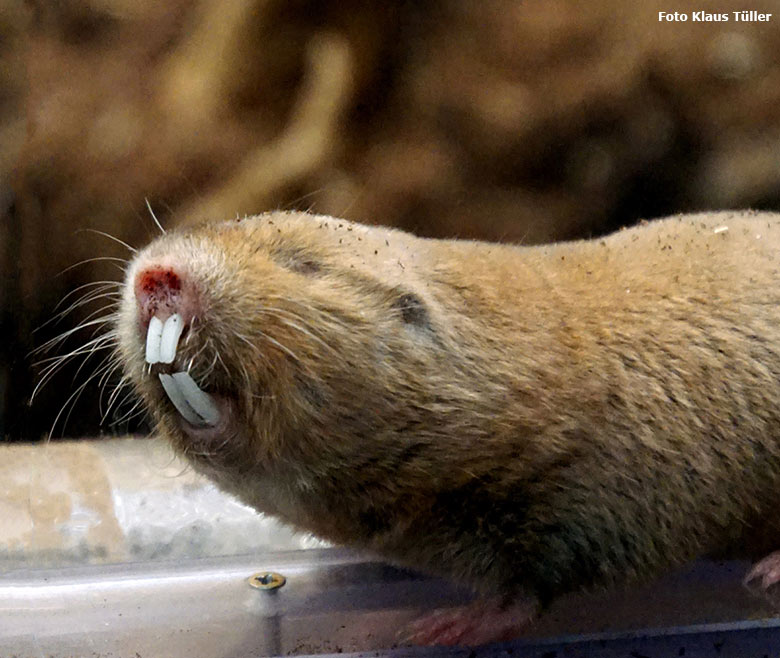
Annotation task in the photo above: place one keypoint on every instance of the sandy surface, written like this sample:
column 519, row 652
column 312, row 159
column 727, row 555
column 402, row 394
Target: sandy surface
column 119, row 500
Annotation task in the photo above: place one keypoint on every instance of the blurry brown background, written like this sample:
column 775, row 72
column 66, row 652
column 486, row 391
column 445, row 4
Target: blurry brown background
column 504, row 120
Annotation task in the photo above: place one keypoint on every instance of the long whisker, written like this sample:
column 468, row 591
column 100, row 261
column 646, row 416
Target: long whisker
column 69, row 404
column 137, row 410
column 94, row 344
column 102, row 288
column 97, row 322
column 108, row 370
column 104, row 369
column 58, row 339
column 99, row 293
column 107, row 340
column 93, row 260
column 118, row 388
column 94, row 350
column 104, row 284
column 154, row 217
column 110, row 237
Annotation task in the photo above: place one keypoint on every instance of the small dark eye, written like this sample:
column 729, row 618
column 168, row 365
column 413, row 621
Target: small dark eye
column 311, row 392
column 297, row 260
column 412, row 310
column 305, row 266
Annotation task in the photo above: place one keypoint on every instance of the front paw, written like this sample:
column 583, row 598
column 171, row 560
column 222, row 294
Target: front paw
column 764, row 578
column 479, row 623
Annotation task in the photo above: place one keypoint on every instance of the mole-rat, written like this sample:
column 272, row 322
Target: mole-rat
column 529, row 420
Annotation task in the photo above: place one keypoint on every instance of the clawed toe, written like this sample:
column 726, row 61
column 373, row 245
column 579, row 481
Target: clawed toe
column 764, row 578
column 476, row 624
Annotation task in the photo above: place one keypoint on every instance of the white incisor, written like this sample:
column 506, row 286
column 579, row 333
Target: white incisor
column 169, row 340
column 195, row 405
column 153, row 338
column 163, row 338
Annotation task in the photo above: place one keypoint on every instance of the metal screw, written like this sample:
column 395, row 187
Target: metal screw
column 267, row 580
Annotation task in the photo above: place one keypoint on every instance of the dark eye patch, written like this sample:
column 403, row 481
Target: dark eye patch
column 297, row 260
column 311, row 392
column 413, row 310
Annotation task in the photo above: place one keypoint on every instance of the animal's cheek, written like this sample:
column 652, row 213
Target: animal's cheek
column 229, row 445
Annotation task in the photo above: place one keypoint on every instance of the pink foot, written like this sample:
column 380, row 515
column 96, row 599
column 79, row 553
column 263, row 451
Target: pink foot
column 478, row 623
column 764, row 578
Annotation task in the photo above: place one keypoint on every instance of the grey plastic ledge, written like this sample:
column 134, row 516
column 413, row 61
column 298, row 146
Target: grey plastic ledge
column 335, row 601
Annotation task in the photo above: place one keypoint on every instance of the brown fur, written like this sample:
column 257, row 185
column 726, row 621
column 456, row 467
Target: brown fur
column 529, row 420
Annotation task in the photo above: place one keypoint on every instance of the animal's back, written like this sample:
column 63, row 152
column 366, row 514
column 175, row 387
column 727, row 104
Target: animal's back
column 530, row 420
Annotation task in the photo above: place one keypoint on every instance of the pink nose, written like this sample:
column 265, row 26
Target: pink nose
column 158, row 291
